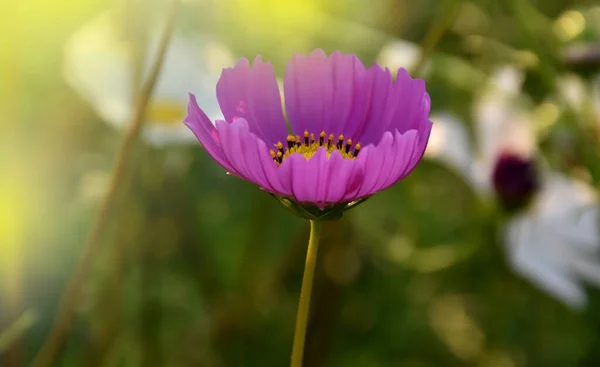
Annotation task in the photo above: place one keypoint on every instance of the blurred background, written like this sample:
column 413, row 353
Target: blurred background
column 197, row 268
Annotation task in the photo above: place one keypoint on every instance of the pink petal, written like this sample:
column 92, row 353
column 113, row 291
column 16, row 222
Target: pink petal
column 198, row 122
column 320, row 179
column 325, row 93
column 248, row 155
column 252, row 93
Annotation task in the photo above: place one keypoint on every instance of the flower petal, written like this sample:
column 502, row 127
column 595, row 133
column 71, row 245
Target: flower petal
column 391, row 160
column 414, row 102
column 379, row 107
column 374, row 159
column 246, row 153
column 340, row 180
column 269, row 168
column 578, row 228
column 500, row 121
column 299, row 175
column 406, row 149
column 449, row 143
column 401, row 105
column 324, row 93
column 423, row 132
column 568, row 209
column 205, row 131
column 562, row 196
column 588, row 268
column 336, row 94
column 321, row 180
column 252, row 93
column 528, row 257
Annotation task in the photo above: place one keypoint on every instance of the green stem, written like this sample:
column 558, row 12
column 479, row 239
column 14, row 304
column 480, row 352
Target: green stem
column 305, row 292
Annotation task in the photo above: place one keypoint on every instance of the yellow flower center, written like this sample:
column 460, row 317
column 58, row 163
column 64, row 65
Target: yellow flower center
column 165, row 112
column 308, row 146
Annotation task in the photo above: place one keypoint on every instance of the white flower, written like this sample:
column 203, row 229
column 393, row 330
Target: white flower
column 99, row 65
column 399, row 53
column 555, row 243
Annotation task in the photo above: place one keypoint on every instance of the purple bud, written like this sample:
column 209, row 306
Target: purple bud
column 515, row 180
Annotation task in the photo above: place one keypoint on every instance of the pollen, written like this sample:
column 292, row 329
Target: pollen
column 307, row 145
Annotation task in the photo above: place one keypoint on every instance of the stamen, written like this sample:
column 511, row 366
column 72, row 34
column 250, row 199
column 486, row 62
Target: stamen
column 290, row 141
column 307, row 145
column 356, row 149
column 340, row 142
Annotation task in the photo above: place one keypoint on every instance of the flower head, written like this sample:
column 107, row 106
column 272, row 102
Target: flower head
column 353, row 130
column 515, row 181
column 553, row 241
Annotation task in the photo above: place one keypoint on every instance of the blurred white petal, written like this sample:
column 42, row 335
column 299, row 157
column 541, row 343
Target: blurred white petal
column 572, row 89
column 99, row 66
column 561, row 195
column 500, row 124
column 588, row 268
column 449, row 143
column 568, row 207
column 533, row 254
column 507, row 80
column 95, row 67
column 481, row 173
column 557, row 243
column 399, row 53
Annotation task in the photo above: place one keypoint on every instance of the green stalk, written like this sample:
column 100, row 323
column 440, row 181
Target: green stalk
column 304, row 303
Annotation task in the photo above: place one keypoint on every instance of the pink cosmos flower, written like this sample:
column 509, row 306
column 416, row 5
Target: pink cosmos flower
column 354, row 131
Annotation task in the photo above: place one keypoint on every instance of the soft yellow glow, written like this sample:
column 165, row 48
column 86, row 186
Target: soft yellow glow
column 268, row 15
column 526, row 59
column 545, row 115
column 569, row 25
column 287, row 25
column 435, row 259
column 449, row 319
column 165, row 112
column 400, row 248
